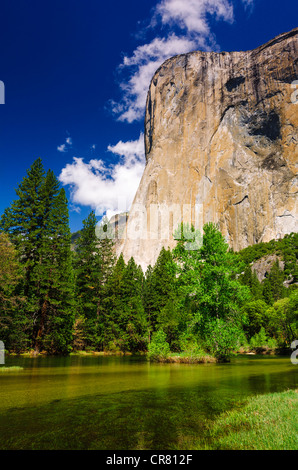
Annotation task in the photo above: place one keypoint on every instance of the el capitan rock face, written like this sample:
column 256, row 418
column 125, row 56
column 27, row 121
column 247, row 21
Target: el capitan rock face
column 220, row 138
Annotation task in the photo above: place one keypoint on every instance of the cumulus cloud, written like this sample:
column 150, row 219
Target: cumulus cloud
column 185, row 26
column 131, row 150
column 62, row 148
column 192, row 14
column 145, row 60
column 191, row 20
column 65, row 147
column 107, row 189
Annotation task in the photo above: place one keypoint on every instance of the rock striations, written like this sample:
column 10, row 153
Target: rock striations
column 221, row 145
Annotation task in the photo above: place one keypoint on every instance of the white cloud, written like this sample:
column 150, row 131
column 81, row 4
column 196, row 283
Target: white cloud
column 107, row 189
column 248, row 4
column 62, row 148
column 130, row 150
column 145, row 61
column 192, row 14
column 192, row 18
column 66, row 146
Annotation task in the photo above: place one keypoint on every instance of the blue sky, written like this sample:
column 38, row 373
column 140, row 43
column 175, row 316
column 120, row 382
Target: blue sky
column 76, row 74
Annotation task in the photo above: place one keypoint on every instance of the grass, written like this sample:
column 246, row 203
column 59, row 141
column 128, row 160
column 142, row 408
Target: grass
column 5, row 369
column 265, row 422
column 190, row 358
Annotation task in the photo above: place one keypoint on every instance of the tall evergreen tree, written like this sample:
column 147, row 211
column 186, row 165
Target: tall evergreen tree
column 24, row 221
column 249, row 278
column 56, row 281
column 159, row 296
column 14, row 325
column 132, row 318
column 113, row 303
column 126, row 326
column 94, row 261
column 273, row 288
column 148, row 300
column 37, row 223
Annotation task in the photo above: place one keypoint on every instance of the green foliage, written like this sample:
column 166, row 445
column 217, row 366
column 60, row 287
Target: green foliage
column 93, row 262
column 262, row 340
column 59, row 292
column 249, row 278
column 37, row 224
column 273, row 288
column 211, row 291
column 222, row 338
column 126, row 326
column 190, row 345
column 207, row 277
column 159, row 289
column 286, row 247
column 254, row 316
column 158, row 348
column 282, row 320
column 14, row 325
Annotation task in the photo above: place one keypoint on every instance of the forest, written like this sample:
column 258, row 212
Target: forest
column 56, row 298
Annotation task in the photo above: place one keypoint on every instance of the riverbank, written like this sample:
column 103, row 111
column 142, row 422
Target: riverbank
column 265, row 422
column 182, row 357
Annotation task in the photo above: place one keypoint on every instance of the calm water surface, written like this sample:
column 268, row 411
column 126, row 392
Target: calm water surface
column 125, row 402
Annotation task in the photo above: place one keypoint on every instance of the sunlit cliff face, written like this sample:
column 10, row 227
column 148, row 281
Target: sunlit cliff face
column 221, row 145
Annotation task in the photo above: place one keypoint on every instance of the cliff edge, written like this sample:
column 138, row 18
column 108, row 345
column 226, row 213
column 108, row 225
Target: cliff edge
column 221, row 145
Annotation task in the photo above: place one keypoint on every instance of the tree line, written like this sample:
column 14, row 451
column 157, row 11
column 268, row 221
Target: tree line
column 56, row 300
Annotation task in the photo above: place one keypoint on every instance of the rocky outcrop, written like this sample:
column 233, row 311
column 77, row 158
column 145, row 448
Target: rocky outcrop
column 221, row 145
column 263, row 266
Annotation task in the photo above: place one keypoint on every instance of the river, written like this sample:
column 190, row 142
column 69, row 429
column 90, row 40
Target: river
column 127, row 403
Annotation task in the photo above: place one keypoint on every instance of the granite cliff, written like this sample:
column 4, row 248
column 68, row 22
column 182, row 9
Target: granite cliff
column 221, row 145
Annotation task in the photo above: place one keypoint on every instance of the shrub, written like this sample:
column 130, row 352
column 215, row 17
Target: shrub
column 222, row 338
column 261, row 340
column 158, row 348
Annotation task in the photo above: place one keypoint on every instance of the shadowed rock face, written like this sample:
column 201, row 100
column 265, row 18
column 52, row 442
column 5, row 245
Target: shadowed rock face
column 220, row 138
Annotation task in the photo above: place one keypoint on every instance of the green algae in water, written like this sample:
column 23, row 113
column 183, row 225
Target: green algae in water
column 126, row 403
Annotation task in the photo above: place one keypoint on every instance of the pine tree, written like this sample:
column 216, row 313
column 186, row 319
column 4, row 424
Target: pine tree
column 106, row 247
column 24, row 221
column 56, row 281
column 37, row 223
column 93, row 263
column 126, row 327
column 159, row 295
column 132, row 319
column 148, row 299
column 249, row 278
column 112, row 304
column 14, row 325
column 273, row 288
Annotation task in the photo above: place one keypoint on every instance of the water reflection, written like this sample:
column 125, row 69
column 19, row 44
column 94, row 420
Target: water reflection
column 126, row 402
